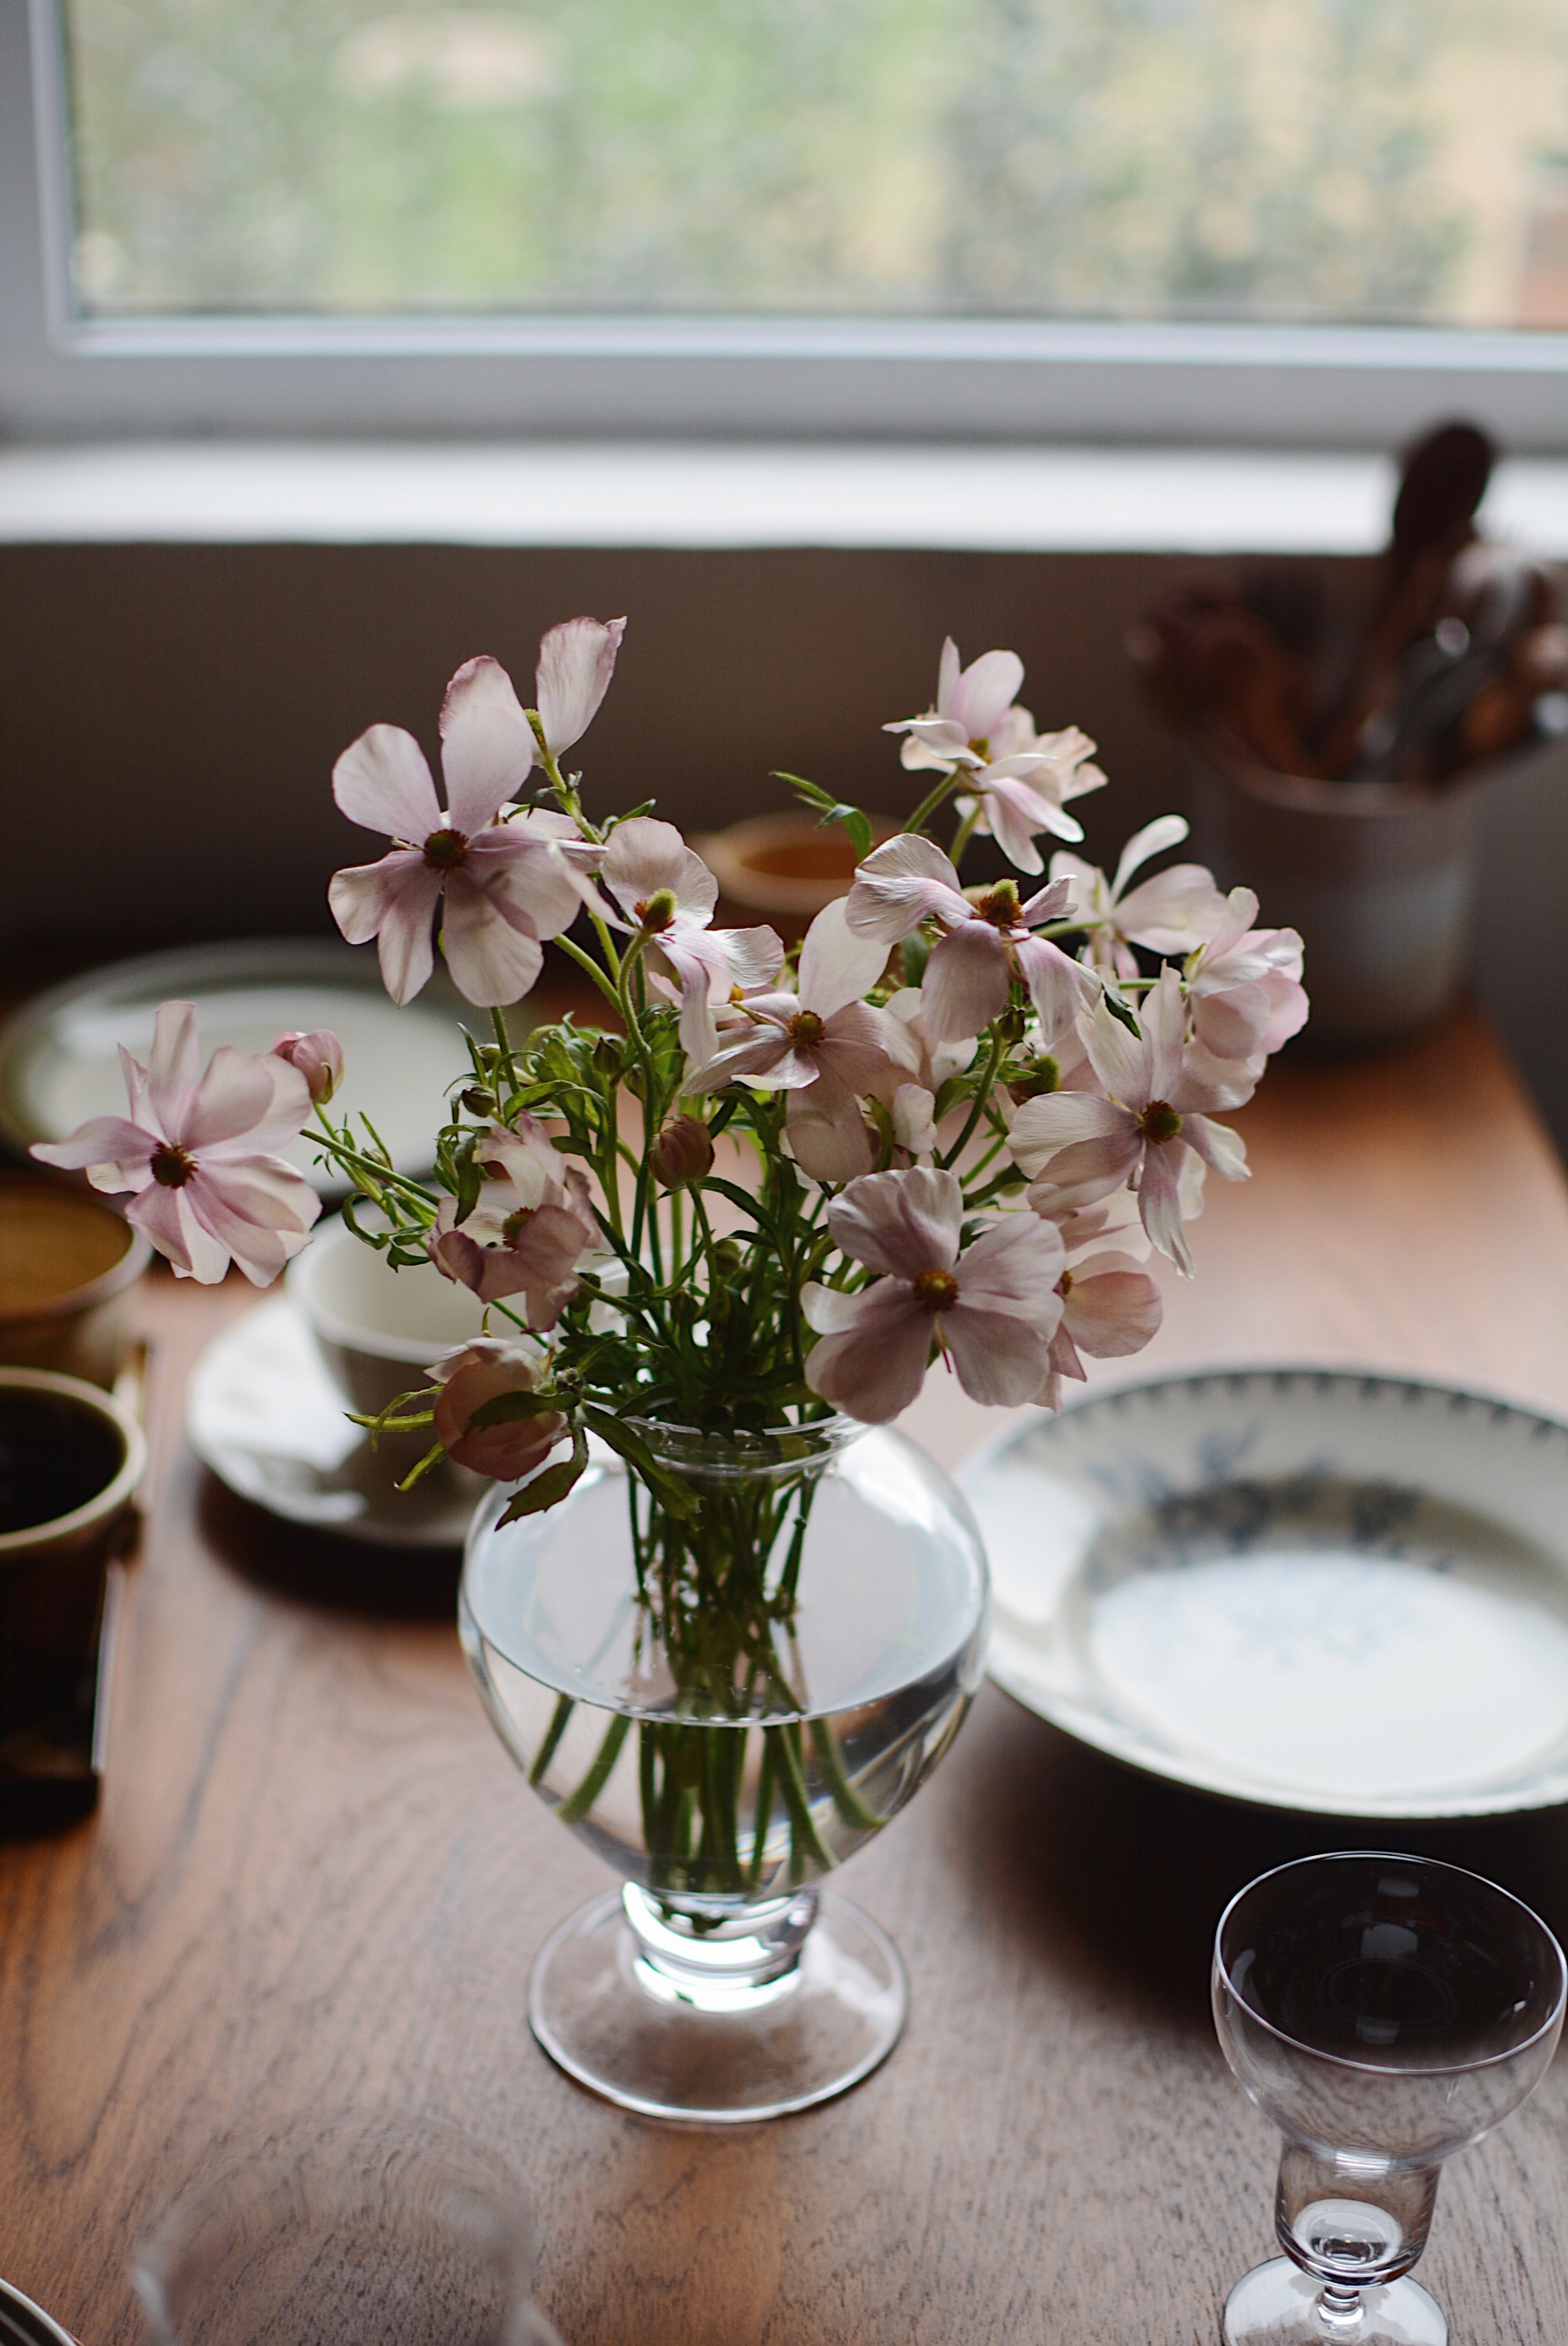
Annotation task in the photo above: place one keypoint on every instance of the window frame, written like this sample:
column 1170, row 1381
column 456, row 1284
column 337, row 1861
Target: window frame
column 756, row 377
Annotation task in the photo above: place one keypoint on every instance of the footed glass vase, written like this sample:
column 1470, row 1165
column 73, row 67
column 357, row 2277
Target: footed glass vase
column 726, row 1684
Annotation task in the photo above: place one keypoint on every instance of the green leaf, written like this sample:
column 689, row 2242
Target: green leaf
column 914, row 953
column 1120, row 1010
column 854, row 820
column 548, row 1489
column 671, row 1493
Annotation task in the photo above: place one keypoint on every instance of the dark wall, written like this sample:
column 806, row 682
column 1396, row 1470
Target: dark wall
column 169, row 716
column 179, row 708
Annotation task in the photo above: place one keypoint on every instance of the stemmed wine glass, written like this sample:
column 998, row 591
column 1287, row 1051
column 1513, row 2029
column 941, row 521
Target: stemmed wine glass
column 1385, row 2011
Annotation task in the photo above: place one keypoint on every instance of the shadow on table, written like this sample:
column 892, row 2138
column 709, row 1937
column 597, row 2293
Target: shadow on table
column 315, row 1567
column 1130, row 1874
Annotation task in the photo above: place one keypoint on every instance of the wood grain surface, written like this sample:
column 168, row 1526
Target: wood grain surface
column 315, row 1880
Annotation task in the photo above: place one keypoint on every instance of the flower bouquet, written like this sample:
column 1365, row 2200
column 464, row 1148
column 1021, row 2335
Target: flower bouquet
column 719, row 1228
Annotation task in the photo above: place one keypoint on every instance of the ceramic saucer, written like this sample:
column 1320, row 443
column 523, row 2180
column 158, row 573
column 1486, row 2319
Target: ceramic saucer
column 1338, row 1593
column 263, row 1413
column 23, row 2323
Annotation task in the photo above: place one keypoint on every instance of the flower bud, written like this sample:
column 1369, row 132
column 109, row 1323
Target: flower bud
column 682, row 1153
column 477, row 1101
column 319, row 1057
column 481, row 1371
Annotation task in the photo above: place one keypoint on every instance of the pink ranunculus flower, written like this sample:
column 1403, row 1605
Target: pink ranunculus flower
column 576, row 661
column 531, row 1225
column 1160, row 1093
column 1246, row 985
column 1111, row 1304
column 479, row 1371
column 926, row 1063
column 197, row 1151
column 318, row 1055
column 1176, row 911
column 822, row 1044
column 987, row 940
column 667, row 894
column 992, row 1307
column 506, row 885
column 1019, row 779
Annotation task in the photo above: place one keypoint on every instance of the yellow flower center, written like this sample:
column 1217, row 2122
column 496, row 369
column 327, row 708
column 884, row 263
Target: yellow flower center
column 936, row 1290
column 806, row 1027
column 999, row 905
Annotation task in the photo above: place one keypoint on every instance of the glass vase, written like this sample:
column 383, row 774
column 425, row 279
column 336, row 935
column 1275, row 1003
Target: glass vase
column 725, row 1683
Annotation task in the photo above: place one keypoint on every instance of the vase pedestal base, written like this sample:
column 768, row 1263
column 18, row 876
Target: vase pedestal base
column 652, row 2025
column 1277, row 2304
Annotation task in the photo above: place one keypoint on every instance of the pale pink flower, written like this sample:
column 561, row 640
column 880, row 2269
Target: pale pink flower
column 1246, row 985
column 1022, row 794
column 576, row 661
column 987, row 940
column 531, row 1227
column 1019, row 779
column 479, row 1371
column 507, row 885
column 1160, row 1090
column 197, row 1151
column 927, row 1064
column 1111, row 1305
column 991, row 1307
column 318, row 1055
column 667, row 894
column 1176, row 911
column 821, row 1043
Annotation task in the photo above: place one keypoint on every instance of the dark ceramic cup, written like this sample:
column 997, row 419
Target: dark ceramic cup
column 70, row 1459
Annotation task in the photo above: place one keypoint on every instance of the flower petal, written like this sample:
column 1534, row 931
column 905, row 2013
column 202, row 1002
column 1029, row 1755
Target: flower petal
column 491, row 961
column 1220, row 1149
column 965, row 981
column 174, row 1065
column 166, row 1217
column 899, row 1222
column 646, row 859
column 245, row 1104
column 1159, row 1203
column 108, row 1145
column 392, row 900
column 1166, row 831
column 1175, row 910
column 1057, row 986
column 1013, row 1267
column 1113, row 1308
column 487, row 745
column 259, row 1208
column 534, row 882
column 383, row 783
column 1059, row 1120
column 1000, row 1361
column 827, row 1130
column 838, row 964
column 985, row 691
column 900, row 884
column 874, row 1368
column 576, row 661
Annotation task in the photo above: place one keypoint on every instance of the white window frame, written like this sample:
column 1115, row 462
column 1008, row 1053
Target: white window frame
column 66, row 376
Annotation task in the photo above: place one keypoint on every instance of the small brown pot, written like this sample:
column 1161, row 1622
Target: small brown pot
column 68, row 1262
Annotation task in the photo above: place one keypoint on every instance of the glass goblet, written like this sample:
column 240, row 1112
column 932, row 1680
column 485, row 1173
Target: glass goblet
column 1385, row 2011
column 367, row 2232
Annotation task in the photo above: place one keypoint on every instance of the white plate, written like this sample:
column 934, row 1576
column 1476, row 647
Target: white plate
column 263, row 1413
column 60, row 1057
column 1339, row 1594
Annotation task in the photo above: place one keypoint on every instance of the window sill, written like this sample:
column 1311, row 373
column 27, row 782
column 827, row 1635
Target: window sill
column 977, row 499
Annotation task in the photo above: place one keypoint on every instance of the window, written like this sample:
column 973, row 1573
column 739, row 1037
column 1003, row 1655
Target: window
column 1281, row 219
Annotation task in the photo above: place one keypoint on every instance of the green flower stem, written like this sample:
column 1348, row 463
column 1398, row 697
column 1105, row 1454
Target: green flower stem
column 564, row 1706
column 929, row 803
column 504, row 1051
column 805, row 1848
column 585, row 961
column 764, row 1817
column 998, row 1052
column 965, row 834
column 573, row 1809
column 846, row 1799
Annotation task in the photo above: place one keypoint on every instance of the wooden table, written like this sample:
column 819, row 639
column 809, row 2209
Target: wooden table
column 315, row 1878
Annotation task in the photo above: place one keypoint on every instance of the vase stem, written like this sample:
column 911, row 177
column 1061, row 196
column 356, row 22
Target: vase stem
column 717, row 1962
